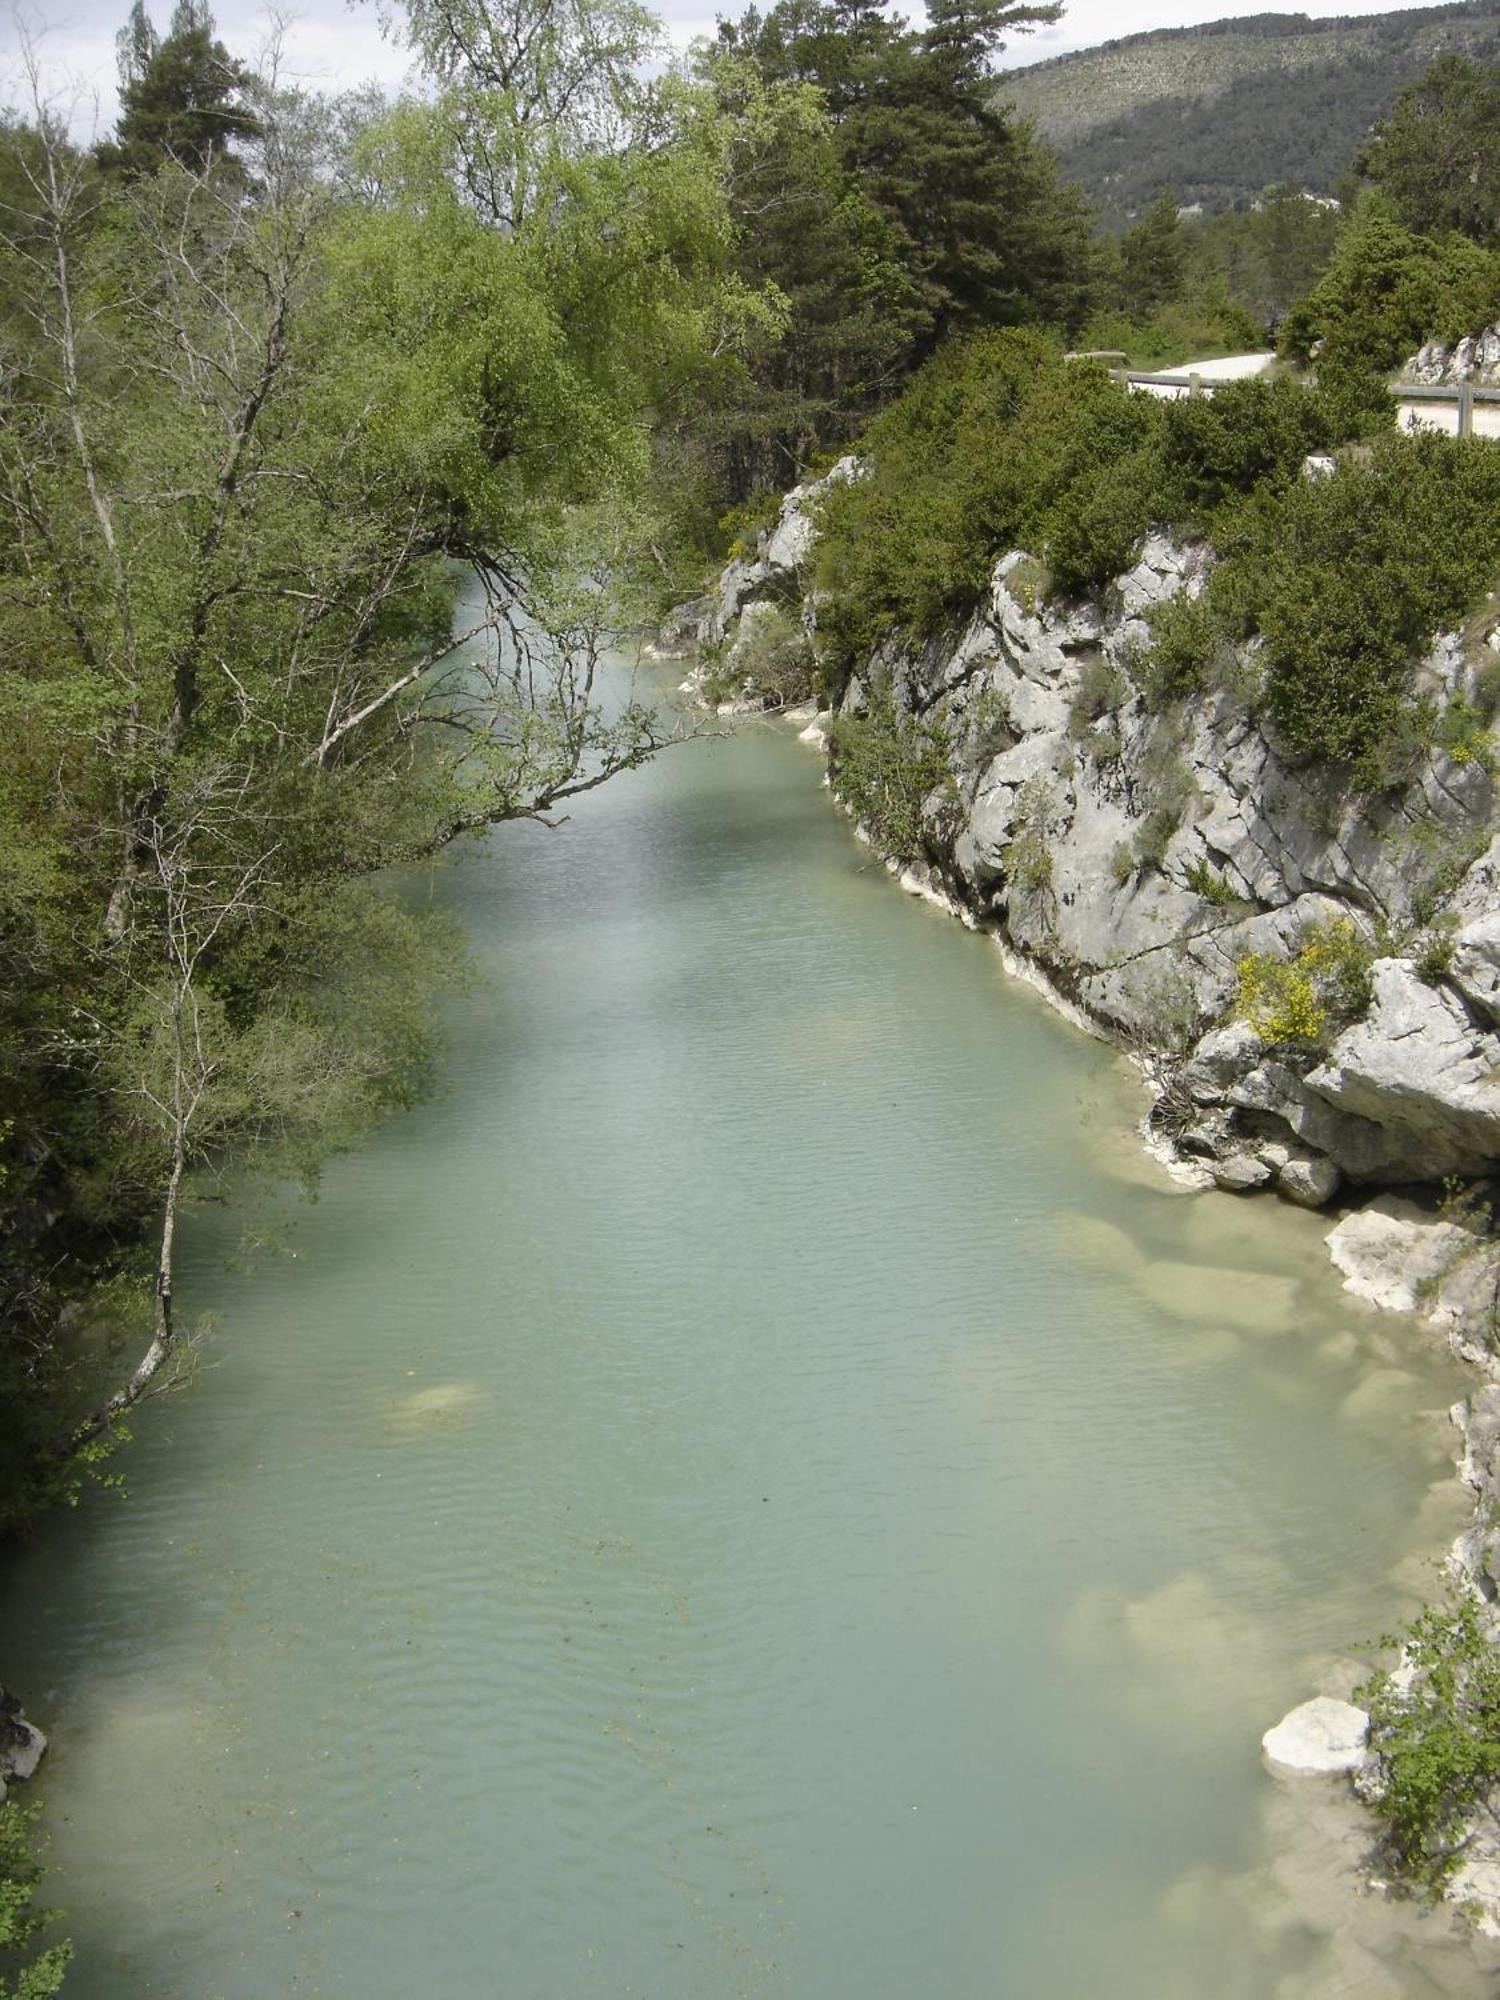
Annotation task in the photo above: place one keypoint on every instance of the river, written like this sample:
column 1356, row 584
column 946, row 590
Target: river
column 757, row 1487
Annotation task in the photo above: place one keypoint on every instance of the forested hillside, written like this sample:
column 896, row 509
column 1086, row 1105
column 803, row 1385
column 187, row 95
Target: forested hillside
column 1217, row 113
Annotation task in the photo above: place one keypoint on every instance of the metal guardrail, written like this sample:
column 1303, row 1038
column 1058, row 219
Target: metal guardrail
column 1462, row 395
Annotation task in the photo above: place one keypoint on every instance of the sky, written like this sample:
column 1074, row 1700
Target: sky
column 337, row 44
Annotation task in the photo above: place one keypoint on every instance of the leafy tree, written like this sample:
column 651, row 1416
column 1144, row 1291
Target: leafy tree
column 183, row 99
column 257, row 427
column 1153, row 259
column 1436, row 1733
column 1386, row 291
column 1437, row 156
column 1265, row 256
column 881, row 201
column 135, row 44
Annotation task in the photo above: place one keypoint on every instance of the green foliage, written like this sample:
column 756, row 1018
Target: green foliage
column 770, row 660
column 312, row 407
column 885, row 765
column 183, row 100
column 1300, row 1002
column 1266, row 255
column 1346, row 578
column 884, row 200
column 1028, row 857
column 1385, row 292
column 995, row 442
column 1101, row 690
column 1186, row 640
column 991, row 728
column 1435, row 948
column 1437, row 156
column 1153, row 259
column 25, row 1973
column 1206, row 882
column 1437, row 1740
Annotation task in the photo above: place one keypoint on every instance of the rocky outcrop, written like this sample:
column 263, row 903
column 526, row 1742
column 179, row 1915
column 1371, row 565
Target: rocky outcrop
column 1475, row 358
column 1135, row 854
column 772, row 573
column 1164, row 848
column 1323, row 1736
column 21, row 1744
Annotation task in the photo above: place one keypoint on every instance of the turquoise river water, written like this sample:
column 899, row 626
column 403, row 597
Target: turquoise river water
column 758, row 1487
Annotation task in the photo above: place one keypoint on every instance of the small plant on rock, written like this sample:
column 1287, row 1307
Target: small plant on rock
column 1212, row 887
column 1101, row 690
column 1300, row 1002
column 1028, row 859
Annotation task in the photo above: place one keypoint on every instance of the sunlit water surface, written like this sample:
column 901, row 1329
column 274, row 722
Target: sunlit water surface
column 756, row 1488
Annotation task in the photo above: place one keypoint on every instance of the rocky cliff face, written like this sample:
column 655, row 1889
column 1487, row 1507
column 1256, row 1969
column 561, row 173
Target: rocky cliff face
column 1153, row 866
column 1137, row 857
column 1475, row 358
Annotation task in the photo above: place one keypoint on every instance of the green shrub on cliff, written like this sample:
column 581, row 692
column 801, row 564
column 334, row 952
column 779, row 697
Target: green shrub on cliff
column 884, row 765
column 1299, row 1002
column 994, row 442
column 22, row 1976
column 1436, row 1735
column 999, row 443
column 1346, row 579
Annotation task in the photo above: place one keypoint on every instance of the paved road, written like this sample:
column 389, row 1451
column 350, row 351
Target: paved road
column 1234, row 367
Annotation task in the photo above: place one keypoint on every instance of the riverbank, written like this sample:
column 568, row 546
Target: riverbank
column 1130, row 862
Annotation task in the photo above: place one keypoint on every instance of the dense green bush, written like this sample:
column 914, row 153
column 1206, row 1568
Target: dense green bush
column 995, row 441
column 1347, row 578
column 884, row 765
column 999, row 443
column 1387, row 291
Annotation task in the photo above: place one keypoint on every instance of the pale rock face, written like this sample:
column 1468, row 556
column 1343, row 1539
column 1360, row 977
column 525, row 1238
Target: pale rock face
column 771, row 569
column 1392, row 1252
column 1309, row 1179
column 1178, row 844
column 21, row 1743
column 1321, row 1736
column 1419, row 1069
column 1476, row 964
column 1475, row 358
column 1161, row 570
column 1222, row 1059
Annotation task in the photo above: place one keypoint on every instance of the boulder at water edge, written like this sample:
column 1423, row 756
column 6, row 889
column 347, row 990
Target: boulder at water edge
column 1321, row 1735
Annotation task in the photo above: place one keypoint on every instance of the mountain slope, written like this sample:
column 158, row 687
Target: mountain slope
column 1219, row 112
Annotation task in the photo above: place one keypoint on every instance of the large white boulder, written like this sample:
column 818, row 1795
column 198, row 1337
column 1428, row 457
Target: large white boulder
column 1321, row 1735
column 1418, row 1067
column 21, row 1743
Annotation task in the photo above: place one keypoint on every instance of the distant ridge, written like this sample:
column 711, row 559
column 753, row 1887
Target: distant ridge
column 1221, row 111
